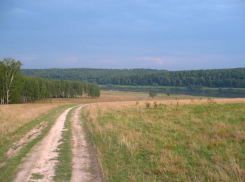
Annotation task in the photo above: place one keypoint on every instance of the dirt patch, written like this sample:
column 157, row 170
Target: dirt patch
column 42, row 159
column 85, row 166
column 31, row 135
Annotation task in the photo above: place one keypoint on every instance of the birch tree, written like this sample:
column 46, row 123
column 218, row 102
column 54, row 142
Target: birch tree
column 10, row 76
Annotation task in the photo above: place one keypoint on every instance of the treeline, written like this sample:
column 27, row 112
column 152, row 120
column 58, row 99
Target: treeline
column 233, row 78
column 89, row 75
column 16, row 88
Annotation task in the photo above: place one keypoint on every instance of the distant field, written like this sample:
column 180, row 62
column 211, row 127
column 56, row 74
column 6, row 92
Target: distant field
column 14, row 116
column 196, row 140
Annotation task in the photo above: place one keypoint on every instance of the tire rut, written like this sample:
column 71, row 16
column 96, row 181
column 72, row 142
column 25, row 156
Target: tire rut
column 85, row 166
column 40, row 162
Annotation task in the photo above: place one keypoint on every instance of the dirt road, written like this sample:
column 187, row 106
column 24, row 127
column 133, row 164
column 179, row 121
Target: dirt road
column 85, row 166
column 40, row 162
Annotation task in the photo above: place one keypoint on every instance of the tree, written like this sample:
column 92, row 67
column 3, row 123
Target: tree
column 10, row 79
column 153, row 92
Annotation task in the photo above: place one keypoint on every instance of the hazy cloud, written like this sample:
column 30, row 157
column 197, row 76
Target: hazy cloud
column 66, row 61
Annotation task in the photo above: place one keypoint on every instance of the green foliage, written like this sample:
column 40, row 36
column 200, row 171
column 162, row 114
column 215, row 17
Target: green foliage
column 15, row 88
column 153, row 92
column 193, row 79
column 147, row 104
column 85, row 74
column 10, row 80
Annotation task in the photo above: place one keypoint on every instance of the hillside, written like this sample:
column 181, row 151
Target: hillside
column 84, row 74
column 233, row 78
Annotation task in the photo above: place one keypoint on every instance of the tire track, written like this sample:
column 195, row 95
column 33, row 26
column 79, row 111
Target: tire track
column 85, row 166
column 39, row 164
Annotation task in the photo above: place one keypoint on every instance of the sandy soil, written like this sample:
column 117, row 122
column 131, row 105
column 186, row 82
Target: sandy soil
column 85, row 166
column 41, row 160
column 31, row 135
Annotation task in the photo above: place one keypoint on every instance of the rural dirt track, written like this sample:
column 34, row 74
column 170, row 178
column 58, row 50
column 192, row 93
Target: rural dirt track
column 85, row 166
column 41, row 160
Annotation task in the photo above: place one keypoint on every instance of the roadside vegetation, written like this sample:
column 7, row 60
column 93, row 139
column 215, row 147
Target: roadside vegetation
column 63, row 169
column 195, row 140
column 12, row 154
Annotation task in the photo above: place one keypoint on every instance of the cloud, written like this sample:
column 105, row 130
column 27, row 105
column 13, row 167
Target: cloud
column 25, row 57
column 110, row 61
column 66, row 61
column 151, row 59
column 148, row 58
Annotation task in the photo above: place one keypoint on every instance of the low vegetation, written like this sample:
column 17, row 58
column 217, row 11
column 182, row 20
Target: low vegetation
column 9, row 163
column 63, row 169
column 15, row 88
column 198, row 140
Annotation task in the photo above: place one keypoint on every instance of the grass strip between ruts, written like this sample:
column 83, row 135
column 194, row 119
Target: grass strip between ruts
column 63, row 169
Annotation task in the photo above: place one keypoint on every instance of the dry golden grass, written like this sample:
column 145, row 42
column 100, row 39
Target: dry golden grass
column 198, row 140
column 16, row 115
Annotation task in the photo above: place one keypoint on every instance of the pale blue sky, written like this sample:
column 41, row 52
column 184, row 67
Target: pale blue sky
column 158, row 34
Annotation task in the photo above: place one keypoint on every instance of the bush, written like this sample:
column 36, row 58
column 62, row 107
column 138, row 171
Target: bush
column 153, row 92
column 155, row 105
column 147, row 104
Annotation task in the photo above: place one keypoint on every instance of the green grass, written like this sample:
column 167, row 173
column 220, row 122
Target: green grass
column 37, row 176
column 63, row 169
column 8, row 172
column 171, row 143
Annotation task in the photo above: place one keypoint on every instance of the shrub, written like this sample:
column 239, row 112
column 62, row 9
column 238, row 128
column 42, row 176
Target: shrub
column 155, row 105
column 147, row 104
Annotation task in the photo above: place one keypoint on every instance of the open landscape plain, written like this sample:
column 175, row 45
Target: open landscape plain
column 123, row 136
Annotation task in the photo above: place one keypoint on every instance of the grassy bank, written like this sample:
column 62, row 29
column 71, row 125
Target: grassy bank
column 191, row 142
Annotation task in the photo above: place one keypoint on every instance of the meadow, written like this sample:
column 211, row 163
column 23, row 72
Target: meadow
column 170, row 140
column 137, row 138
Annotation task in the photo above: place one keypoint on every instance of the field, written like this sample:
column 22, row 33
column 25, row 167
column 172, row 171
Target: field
column 196, row 140
column 136, row 138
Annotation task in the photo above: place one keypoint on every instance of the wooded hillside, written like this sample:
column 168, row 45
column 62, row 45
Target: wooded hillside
column 84, row 74
column 233, row 78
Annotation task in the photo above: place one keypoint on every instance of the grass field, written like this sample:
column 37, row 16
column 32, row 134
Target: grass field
column 177, row 138
column 198, row 140
column 14, row 116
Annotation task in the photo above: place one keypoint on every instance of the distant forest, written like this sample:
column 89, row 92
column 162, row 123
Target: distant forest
column 89, row 75
column 16, row 88
column 232, row 78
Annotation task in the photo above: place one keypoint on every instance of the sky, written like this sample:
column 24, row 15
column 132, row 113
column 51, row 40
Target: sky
column 155, row 34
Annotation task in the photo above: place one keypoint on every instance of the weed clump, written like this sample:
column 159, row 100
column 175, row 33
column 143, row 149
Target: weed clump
column 148, row 104
column 211, row 100
column 155, row 105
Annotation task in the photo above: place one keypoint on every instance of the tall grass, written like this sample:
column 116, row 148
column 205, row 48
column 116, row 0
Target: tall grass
column 190, row 142
column 14, row 116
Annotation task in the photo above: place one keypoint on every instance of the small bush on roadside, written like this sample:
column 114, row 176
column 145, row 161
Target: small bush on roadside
column 211, row 100
column 137, row 103
column 148, row 104
column 155, row 105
